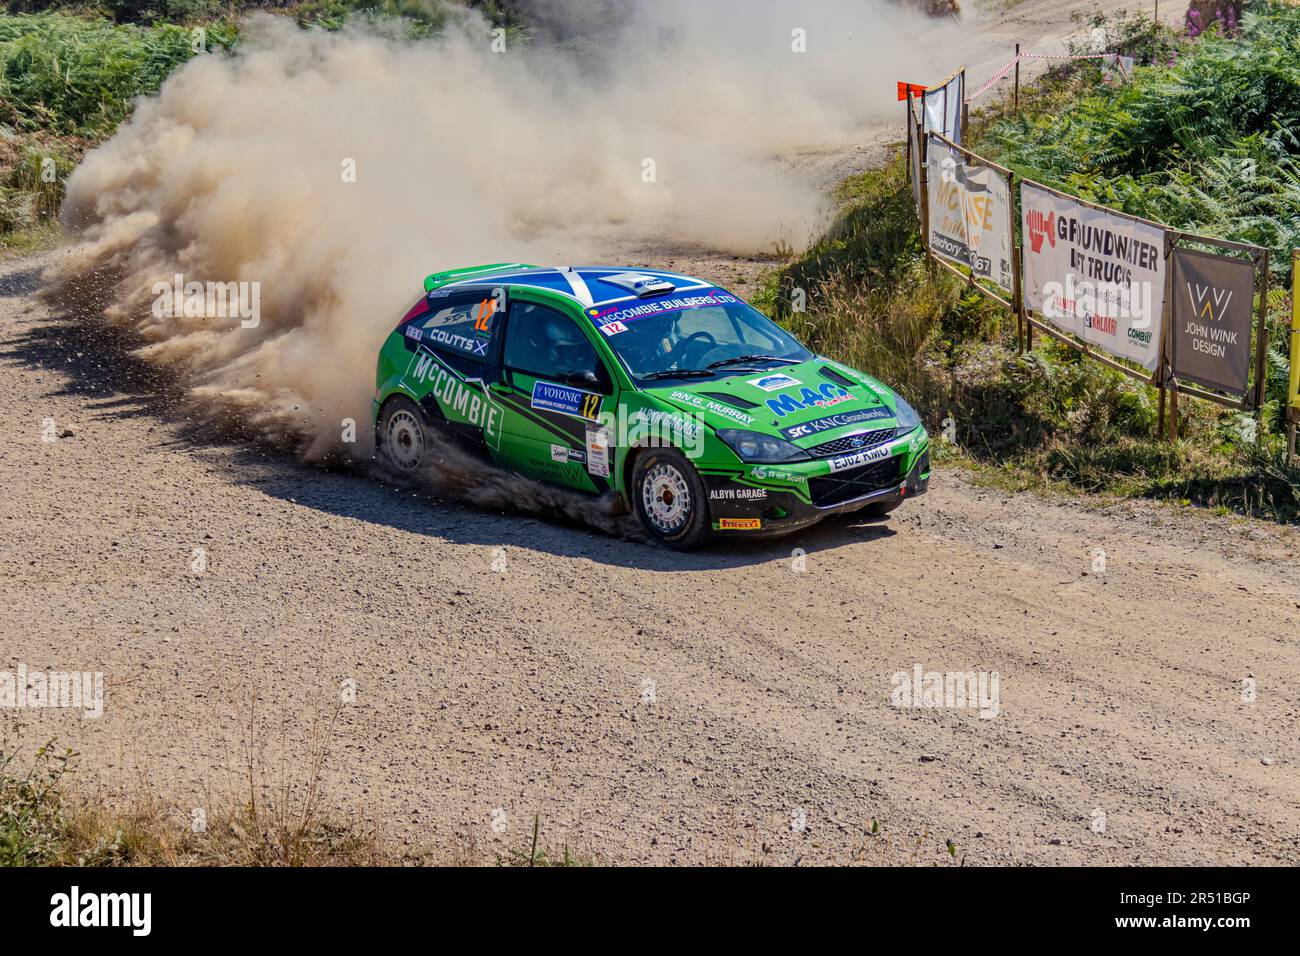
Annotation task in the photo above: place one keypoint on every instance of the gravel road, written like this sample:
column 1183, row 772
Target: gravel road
column 728, row 706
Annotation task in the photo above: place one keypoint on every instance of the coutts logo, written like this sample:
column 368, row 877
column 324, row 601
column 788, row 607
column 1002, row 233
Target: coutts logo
column 1040, row 226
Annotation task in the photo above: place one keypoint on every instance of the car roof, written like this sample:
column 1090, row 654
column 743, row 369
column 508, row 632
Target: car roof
column 587, row 285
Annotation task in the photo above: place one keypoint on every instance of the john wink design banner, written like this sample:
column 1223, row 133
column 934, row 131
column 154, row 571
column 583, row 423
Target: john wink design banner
column 1094, row 273
column 970, row 213
column 1213, row 303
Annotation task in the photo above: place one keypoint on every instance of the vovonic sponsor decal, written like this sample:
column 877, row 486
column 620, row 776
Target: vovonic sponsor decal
column 819, row 425
column 739, row 524
column 738, row 494
column 772, row 383
column 823, row 397
column 623, row 312
column 859, row 458
column 551, row 397
column 709, row 405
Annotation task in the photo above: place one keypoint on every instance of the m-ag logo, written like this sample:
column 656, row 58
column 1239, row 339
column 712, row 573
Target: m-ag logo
column 828, row 394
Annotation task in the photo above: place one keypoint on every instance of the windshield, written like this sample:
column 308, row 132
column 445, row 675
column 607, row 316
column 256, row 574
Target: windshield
column 706, row 334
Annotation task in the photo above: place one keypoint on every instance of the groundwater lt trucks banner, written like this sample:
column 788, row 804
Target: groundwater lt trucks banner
column 969, row 212
column 1095, row 273
column 1213, row 301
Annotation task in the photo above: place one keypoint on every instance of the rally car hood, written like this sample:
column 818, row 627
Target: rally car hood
column 806, row 404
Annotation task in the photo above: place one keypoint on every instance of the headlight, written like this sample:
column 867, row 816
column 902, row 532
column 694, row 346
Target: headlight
column 758, row 448
column 906, row 415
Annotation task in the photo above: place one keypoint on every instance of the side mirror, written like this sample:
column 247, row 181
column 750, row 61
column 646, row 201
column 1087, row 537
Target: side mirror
column 585, row 379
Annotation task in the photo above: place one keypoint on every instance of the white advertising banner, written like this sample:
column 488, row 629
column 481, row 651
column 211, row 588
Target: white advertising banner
column 1095, row 273
column 970, row 213
column 941, row 108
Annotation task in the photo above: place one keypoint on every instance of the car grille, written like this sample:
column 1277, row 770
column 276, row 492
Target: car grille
column 834, row 489
column 842, row 446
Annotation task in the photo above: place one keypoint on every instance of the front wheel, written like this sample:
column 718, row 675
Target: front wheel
column 670, row 499
column 403, row 438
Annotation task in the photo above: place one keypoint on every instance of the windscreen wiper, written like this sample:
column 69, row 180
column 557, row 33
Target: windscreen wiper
column 680, row 373
column 746, row 359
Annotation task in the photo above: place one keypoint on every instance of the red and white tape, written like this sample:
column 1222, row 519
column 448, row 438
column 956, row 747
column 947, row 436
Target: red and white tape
column 1002, row 73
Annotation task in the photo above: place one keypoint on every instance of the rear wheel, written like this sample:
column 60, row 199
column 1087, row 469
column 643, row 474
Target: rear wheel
column 403, row 438
column 670, row 499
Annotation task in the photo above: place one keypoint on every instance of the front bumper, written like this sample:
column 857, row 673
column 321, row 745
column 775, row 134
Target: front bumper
column 783, row 498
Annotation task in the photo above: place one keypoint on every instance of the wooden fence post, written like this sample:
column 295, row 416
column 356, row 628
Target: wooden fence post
column 1015, row 97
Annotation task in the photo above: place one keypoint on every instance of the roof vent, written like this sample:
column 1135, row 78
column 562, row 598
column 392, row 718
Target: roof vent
column 639, row 284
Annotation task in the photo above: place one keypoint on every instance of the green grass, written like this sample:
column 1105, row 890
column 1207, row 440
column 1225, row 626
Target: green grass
column 42, row 824
column 74, row 77
column 30, row 240
column 71, row 71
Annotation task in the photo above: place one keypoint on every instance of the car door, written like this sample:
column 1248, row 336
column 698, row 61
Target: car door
column 456, row 350
column 554, row 389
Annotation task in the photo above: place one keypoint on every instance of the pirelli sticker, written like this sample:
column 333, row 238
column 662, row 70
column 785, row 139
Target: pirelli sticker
column 740, row 524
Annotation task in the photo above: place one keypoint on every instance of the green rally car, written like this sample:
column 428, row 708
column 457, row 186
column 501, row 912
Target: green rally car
column 667, row 394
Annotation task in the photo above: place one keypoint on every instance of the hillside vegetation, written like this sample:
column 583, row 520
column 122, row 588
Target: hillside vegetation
column 1203, row 138
column 70, row 72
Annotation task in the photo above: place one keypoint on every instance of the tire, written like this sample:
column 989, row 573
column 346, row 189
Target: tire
column 404, row 441
column 670, row 500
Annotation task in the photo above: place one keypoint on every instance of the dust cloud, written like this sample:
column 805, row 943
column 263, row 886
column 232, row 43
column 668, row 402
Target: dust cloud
column 336, row 170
